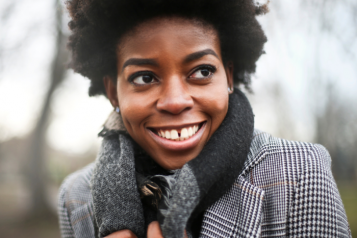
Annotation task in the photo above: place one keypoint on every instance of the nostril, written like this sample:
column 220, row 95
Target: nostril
column 175, row 105
column 175, row 96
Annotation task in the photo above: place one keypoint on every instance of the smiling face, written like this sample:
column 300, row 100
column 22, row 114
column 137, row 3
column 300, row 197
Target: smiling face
column 172, row 88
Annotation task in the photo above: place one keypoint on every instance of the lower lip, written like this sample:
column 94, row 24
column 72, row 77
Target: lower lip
column 179, row 145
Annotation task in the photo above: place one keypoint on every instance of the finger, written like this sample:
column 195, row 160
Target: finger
column 122, row 234
column 154, row 230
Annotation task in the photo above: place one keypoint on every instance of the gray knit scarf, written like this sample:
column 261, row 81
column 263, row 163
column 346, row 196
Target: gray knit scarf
column 200, row 182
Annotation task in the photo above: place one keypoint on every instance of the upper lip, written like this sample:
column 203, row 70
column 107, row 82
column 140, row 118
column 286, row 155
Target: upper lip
column 173, row 127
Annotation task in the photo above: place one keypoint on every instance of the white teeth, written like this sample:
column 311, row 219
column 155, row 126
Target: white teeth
column 184, row 133
column 167, row 135
column 174, row 134
column 190, row 132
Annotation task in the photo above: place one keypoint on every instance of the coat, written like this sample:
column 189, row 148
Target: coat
column 285, row 188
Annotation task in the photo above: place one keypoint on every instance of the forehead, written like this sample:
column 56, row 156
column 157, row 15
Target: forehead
column 168, row 36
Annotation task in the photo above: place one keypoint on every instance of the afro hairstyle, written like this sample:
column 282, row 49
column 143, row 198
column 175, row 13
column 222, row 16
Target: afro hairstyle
column 98, row 25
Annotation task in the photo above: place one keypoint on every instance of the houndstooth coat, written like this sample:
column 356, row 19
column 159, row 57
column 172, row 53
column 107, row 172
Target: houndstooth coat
column 286, row 189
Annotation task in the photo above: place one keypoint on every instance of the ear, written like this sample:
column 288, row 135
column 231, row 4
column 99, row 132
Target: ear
column 229, row 73
column 111, row 90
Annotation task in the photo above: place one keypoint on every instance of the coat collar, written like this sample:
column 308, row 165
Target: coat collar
column 256, row 152
column 114, row 122
column 239, row 212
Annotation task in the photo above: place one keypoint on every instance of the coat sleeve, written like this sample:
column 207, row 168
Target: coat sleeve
column 63, row 213
column 317, row 209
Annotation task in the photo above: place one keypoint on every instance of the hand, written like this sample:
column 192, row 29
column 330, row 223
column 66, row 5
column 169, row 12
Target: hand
column 122, row 234
column 154, row 230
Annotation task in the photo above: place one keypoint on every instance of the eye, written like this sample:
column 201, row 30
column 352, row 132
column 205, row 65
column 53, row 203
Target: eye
column 203, row 72
column 142, row 78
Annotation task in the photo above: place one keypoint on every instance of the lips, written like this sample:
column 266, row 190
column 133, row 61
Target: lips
column 178, row 138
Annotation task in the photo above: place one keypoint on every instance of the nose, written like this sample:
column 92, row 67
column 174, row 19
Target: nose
column 174, row 97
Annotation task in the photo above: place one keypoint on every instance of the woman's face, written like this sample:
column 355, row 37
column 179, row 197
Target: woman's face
column 172, row 88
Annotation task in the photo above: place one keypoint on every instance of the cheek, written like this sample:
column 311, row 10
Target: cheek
column 215, row 98
column 221, row 108
column 215, row 103
column 218, row 107
column 133, row 110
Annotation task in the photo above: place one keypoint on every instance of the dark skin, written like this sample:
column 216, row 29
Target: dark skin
column 154, row 231
column 172, row 89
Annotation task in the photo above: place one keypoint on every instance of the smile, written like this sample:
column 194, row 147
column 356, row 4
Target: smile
column 178, row 138
column 179, row 134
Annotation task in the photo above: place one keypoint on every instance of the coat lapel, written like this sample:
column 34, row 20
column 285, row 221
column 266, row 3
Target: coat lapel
column 237, row 214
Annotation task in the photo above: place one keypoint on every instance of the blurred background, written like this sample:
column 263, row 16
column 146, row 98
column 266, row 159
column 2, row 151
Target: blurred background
column 305, row 89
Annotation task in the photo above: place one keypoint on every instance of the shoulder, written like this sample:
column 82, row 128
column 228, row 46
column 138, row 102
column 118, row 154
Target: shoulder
column 75, row 207
column 291, row 157
column 292, row 173
column 75, row 189
column 274, row 164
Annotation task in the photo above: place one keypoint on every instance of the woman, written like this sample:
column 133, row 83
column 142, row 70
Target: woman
column 180, row 156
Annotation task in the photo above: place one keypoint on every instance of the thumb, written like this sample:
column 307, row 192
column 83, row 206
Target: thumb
column 154, row 230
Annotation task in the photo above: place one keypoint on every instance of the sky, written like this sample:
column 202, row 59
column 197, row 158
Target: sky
column 300, row 59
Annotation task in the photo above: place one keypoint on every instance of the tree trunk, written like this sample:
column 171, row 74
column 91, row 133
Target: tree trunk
column 37, row 176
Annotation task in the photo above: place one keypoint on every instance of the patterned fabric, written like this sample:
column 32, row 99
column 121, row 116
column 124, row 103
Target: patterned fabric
column 75, row 206
column 285, row 189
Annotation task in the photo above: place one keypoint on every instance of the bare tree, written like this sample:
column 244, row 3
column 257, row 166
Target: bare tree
column 330, row 110
column 335, row 112
column 4, row 16
column 36, row 157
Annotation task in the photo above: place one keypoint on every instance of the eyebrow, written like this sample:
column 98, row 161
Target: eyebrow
column 136, row 61
column 153, row 62
column 199, row 54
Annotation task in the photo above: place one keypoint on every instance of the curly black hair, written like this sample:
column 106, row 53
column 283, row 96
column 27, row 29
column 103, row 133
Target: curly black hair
column 98, row 25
